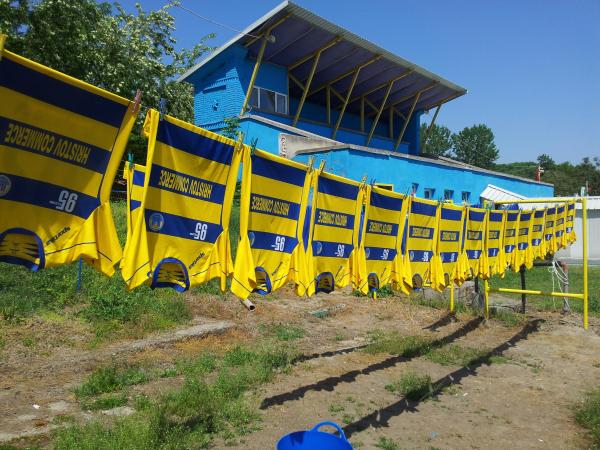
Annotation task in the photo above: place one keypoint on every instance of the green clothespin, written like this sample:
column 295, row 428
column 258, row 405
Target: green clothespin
column 130, row 160
column 253, row 145
column 162, row 106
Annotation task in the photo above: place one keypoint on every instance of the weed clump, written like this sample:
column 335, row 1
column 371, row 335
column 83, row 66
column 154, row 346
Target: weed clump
column 587, row 414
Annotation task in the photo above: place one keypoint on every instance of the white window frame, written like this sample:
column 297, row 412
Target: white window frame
column 257, row 89
column 468, row 196
column 451, row 194
column 430, row 191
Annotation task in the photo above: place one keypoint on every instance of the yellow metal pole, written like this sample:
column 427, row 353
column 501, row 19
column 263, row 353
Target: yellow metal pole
column 429, row 128
column 585, row 260
column 306, row 88
column 408, row 117
column 2, row 41
column 535, row 292
column 452, row 297
column 261, row 52
column 385, row 97
column 307, row 57
column 269, row 30
column 339, row 119
column 486, row 297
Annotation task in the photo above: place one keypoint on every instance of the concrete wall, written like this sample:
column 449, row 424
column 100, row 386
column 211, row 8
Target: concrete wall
column 574, row 253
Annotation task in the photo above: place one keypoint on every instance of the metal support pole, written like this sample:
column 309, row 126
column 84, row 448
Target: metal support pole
column 523, row 294
column 486, row 298
column 429, row 128
column 584, row 232
column 408, row 117
column 452, row 298
column 385, row 97
column 339, row 119
column 261, row 52
column 306, row 88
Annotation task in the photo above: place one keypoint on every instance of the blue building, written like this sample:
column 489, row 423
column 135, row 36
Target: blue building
column 304, row 87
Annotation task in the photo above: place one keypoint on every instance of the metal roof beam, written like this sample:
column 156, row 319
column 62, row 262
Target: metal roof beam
column 341, row 115
column 268, row 30
column 346, row 74
column 382, row 85
column 429, row 128
column 387, row 93
column 306, row 87
column 407, row 120
column 289, row 44
column 302, row 60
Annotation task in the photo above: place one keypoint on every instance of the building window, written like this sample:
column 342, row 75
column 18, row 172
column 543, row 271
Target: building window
column 415, row 186
column 429, row 193
column 466, row 196
column 268, row 101
column 448, row 194
column 389, row 187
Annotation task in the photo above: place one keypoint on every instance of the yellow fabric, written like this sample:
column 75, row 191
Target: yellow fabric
column 495, row 243
column 538, row 244
column 335, row 221
column 134, row 175
column 271, row 251
column 510, row 240
column 524, row 248
column 560, row 226
column 382, row 231
column 61, row 142
column 549, row 228
column 421, row 240
column 450, row 230
column 570, row 236
column 181, row 235
column 474, row 242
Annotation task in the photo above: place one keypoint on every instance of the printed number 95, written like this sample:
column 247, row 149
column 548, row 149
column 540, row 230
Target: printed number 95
column 279, row 243
column 66, row 201
column 340, row 251
column 200, row 232
column 385, row 254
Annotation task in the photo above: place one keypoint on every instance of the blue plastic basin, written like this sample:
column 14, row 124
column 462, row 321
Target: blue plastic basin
column 315, row 439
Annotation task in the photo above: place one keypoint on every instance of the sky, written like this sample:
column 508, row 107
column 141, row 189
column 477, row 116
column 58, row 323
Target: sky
column 531, row 67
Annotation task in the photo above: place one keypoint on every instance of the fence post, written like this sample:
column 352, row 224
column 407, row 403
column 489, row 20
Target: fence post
column 523, row 296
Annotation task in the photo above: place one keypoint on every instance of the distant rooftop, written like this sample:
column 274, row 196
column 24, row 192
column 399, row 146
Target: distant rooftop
column 299, row 34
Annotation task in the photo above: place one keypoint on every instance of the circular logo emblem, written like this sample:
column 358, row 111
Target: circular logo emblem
column 156, row 222
column 411, row 256
column 251, row 237
column 368, row 252
column 5, row 185
column 318, row 247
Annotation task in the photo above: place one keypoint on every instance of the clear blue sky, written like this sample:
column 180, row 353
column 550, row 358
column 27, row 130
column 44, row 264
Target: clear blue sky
column 532, row 67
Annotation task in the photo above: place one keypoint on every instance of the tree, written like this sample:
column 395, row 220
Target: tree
column 475, row 145
column 439, row 141
column 110, row 48
column 546, row 162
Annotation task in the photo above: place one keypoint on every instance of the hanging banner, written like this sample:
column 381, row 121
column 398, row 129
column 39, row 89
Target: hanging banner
column 381, row 234
column 495, row 243
column 134, row 175
column 450, row 232
column 510, row 239
column 549, row 234
column 181, row 235
column 474, row 242
column 524, row 250
column 61, row 142
column 336, row 210
column 560, row 226
column 538, row 244
column 421, row 240
column 570, row 236
column 271, row 251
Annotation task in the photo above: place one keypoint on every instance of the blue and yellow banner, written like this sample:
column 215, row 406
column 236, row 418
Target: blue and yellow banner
column 569, row 234
column 134, row 175
column 181, row 235
column 524, row 249
column 511, row 231
column 421, row 240
column 61, row 142
column 474, row 241
column 538, row 243
column 495, row 243
column 451, row 224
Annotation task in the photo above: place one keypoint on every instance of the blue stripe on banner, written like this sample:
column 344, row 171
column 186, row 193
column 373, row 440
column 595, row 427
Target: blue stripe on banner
column 278, row 171
column 270, row 241
column 536, row 242
column 194, row 143
column 512, row 217
column 476, row 216
column 493, row 251
column 547, row 236
column 525, row 217
column 495, row 216
column 523, row 245
column 42, row 87
column 420, row 232
column 509, row 248
column 181, row 227
column 42, row 142
column 46, row 195
column 424, row 209
column 539, row 214
column 332, row 249
column 386, row 228
column 560, row 210
column 473, row 254
column 449, row 257
column 380, row 254
column 559, row 233
column 183, row 184
column 337, row 188
column 334, row 219
column 451, row 214
column 420, row 255
column 139, row 177
column 385, row 201
column 551, row 210
column 274, row 207
column 134, row 204
column 571, row 206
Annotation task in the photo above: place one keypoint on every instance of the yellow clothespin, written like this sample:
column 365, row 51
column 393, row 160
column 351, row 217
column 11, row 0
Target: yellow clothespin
column 137, row 100
column 240, row 141
column 311, row 164
column 322, row 166
column 2, row 41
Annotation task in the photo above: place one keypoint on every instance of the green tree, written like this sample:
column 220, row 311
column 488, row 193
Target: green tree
column 475, row 145
column 546, row 162
column 108, row 47
column 439, row 141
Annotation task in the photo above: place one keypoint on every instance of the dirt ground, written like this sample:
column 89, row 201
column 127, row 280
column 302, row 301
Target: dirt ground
column 524, row 402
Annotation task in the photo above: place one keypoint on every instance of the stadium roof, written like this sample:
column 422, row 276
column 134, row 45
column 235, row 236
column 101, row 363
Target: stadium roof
column 345, row 60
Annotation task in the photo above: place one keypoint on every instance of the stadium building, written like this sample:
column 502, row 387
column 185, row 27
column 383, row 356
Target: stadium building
column 303, row 86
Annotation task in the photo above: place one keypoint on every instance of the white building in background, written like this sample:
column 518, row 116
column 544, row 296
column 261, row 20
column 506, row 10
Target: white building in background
column 574, row 254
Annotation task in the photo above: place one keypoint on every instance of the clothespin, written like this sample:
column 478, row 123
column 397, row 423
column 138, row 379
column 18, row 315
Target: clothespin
column 2, row 41
column 372, row 183
column 364, row 180
column 137, row 100
column 253, row 145
column 322, row 166
column 130, row 160
column 311, row 163
column 162, row 106
column 240, row 141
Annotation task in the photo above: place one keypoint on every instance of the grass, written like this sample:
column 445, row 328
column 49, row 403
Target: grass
column 412, row 385
column 453, row 354
column 110, row 379
column 109, row 401
column 587, row 414
column 385, row 443
column 395, row 344
column 191, row 416
column 283, row 331
column 539, row 278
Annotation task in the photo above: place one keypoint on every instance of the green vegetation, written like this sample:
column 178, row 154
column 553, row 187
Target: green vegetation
column 105, row 402
column 395, row 344
column 385, row 443
column 412, row 385
column 539, row 278
column 453, row 354
column 587, row 414
column 109, row 379
column 284, row 331
column 188, row 417
column 508, row 317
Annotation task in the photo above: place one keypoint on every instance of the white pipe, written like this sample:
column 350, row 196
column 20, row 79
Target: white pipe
column 248, row 304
